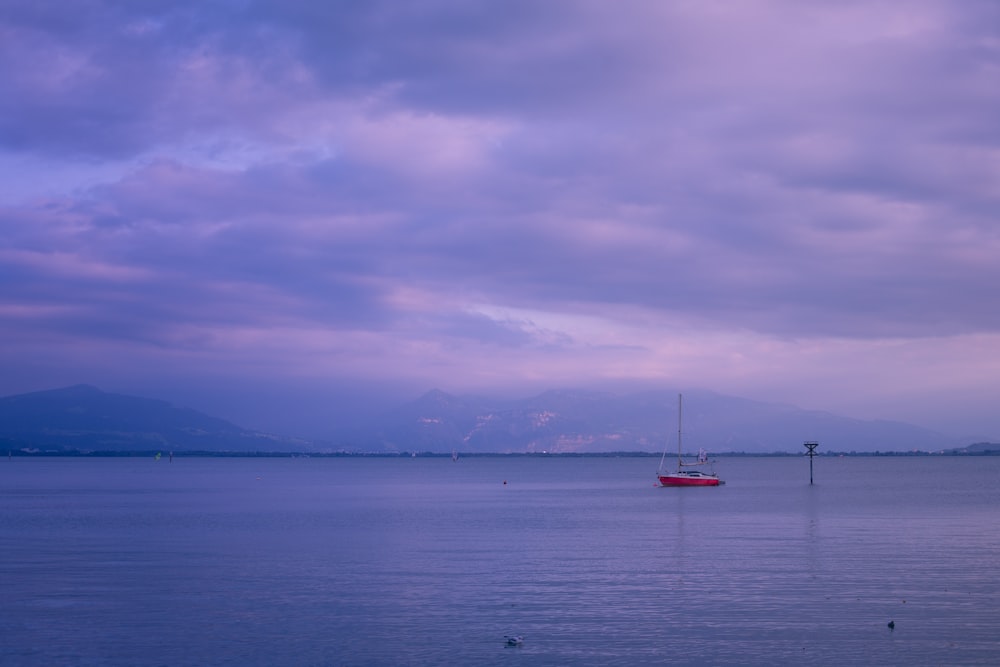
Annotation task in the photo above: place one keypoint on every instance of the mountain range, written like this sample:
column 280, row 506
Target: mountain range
column 564, row 421
column 85, row 419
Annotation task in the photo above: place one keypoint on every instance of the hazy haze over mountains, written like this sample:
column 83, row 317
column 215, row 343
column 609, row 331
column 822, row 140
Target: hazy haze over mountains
column 85, row 418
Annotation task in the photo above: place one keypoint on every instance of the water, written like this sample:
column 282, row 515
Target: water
column 431, row 562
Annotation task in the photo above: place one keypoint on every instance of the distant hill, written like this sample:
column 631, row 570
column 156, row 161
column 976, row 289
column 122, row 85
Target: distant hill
column 988, row 448
column 588, row 422
column 84, row 418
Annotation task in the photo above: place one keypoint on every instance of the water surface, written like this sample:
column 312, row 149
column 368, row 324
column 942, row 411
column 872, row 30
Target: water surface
column 427, row 561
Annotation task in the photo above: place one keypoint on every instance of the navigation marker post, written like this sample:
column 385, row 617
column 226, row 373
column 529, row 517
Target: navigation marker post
column 811, row 446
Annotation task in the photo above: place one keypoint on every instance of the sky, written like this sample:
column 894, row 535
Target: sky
column 279, row 212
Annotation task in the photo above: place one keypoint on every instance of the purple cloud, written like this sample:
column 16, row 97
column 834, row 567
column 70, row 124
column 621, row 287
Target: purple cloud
column 790, row 202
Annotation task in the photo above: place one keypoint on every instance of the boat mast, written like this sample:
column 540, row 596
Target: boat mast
column 680, row 463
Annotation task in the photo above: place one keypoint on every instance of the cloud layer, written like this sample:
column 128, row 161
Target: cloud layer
column 283, row 203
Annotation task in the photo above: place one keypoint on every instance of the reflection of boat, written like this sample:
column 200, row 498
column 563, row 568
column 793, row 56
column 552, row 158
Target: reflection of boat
column 684, row 477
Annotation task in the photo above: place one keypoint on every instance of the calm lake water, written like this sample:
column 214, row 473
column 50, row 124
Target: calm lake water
column 431, row 562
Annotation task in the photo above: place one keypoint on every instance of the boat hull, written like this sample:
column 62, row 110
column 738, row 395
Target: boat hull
column 684, row 480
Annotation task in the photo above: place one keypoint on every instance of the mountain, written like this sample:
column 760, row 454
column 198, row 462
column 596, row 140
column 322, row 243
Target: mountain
column 565, row 421
column 982, row 448
column 84, row 418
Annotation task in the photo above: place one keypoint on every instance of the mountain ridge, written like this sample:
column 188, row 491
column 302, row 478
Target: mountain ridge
column 566, row 421
column 84, row 418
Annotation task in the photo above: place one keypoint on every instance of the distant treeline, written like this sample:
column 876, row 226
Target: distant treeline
column 976, row 451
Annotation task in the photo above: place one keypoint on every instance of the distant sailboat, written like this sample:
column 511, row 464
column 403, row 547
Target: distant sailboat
column 454, row 455
column 685, row 477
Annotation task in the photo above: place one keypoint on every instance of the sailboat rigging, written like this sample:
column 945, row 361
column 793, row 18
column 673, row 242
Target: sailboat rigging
column 684, row 477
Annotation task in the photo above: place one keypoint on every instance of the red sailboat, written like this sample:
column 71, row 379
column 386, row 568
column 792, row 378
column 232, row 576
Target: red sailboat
column 684, row 477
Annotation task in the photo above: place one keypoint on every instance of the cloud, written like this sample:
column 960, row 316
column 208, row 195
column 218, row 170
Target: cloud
column 504, row 196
